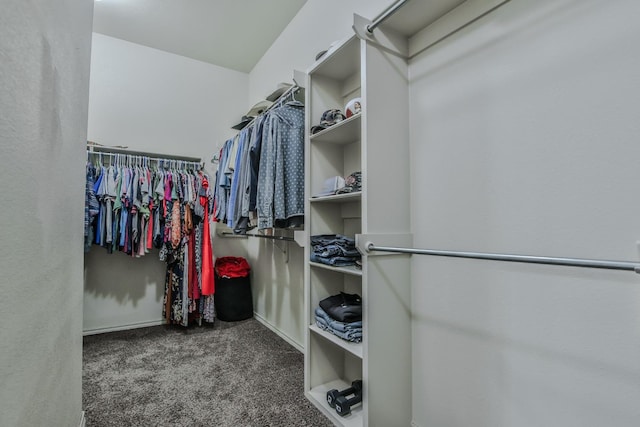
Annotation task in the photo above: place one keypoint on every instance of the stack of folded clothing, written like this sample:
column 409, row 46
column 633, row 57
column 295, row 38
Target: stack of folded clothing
column 334, row 249
column 352, row 184
column 342, row 316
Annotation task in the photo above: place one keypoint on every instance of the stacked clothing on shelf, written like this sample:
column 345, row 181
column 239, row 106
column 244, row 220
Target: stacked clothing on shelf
column 341, row 315
column 334, row 249
column 352, row 184
column 339, row 185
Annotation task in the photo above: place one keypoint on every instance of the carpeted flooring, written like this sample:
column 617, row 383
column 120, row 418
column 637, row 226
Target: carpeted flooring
column 233, row 374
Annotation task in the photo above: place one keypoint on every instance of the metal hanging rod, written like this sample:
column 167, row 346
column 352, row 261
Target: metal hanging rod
column 131, row 159
column 385, row 14
column 571, row 262
column 288, row 239
column 92, row 147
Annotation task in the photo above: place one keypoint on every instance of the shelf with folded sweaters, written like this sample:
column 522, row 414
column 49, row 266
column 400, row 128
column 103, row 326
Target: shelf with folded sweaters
column 338, row 319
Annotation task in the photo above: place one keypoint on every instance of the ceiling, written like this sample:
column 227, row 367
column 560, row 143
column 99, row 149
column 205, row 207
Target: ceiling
column 233, row 34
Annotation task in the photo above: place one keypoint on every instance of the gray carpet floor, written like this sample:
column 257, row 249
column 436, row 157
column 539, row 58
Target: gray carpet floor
column 231, row 374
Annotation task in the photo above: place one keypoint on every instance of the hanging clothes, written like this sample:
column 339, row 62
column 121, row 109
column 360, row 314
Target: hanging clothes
column 241, row 179
column 261, row 171
column 208, row 285
column 280, row 198
column 133, row 208
column 91, row 206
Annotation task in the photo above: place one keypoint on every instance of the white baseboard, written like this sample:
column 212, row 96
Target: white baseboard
column 278, row 332
column 83, row 420
column 123, row 327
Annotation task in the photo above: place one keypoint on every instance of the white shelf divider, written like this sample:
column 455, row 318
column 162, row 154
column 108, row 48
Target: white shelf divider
column 337, row 198
column 351, row 347
column 344, row 132
column 346, row 270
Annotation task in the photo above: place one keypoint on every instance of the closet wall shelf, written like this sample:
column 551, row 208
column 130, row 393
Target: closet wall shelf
column 344, row 132
column 318, row 396
column 338, row 198
column 340, row 61
column 417, row 26
column 346, row 270
column 412, row 17
column 351, row 347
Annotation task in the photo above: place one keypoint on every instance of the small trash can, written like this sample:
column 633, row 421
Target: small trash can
column 233, row 298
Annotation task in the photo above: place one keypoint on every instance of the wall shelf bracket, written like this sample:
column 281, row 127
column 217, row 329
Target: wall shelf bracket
column 385, row 39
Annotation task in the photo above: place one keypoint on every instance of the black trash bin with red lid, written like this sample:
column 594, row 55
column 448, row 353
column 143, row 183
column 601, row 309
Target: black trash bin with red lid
column 233, row 299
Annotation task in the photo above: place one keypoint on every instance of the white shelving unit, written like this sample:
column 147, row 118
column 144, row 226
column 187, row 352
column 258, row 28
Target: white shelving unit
column 374, row 67
column 376, row 143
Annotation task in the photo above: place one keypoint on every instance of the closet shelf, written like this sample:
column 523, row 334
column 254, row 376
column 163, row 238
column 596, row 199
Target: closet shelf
column 346, row 270
column 344, row 132
column 415, row 16
column 318, row 396
column 338, row 198
column 351, row 347
column 340, row 61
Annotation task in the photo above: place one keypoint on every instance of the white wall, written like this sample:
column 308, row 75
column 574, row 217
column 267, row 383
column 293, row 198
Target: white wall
column 524, row 140
column 314, row 28
column 156, row 102
column 44, row 82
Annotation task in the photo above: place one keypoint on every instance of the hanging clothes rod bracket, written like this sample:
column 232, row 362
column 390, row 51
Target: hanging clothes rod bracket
column 570, row 262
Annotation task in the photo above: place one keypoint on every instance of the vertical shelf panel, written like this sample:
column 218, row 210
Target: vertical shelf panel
column 386, row 147
column 386, row 280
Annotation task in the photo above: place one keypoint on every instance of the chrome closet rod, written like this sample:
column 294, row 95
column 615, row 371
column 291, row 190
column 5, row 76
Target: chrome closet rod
column 288, row 239
column 385, row 14
column 165, row 160
column 96, row 149
column 571, row 262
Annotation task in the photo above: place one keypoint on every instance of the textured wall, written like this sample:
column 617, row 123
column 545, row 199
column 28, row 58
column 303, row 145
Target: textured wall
column 44, row 82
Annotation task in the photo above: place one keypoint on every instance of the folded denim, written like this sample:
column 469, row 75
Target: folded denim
column 336, row 249
column 328, row 239
column 352, row 336
column 335, row 324
column 334, row 261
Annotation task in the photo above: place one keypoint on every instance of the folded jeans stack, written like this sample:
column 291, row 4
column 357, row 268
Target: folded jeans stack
column 342, row 316
column 334, row 249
